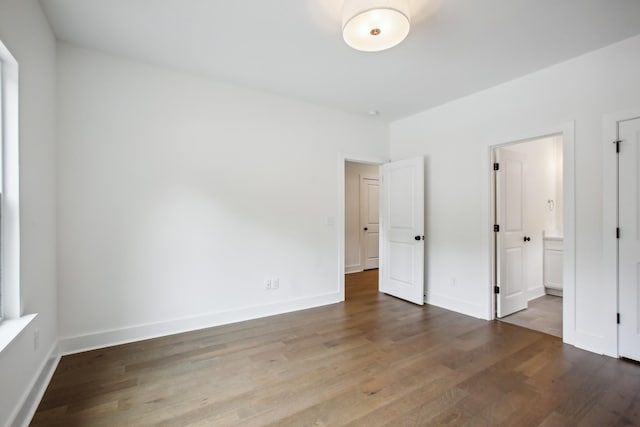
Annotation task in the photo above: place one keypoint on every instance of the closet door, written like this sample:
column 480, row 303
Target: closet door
column 629, row 242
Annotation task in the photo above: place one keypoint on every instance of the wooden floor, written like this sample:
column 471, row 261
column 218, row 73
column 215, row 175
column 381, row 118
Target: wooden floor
column 372, row 361
column 544, row 314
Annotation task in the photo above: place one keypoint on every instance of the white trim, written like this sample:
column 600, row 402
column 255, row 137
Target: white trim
column 535, row 293
column 356, row 268
column 79, row 343
column 467, row 308
column 342, row 159
column 610, row 207
column 567, row 131
column 28, row 403
column 11, row 328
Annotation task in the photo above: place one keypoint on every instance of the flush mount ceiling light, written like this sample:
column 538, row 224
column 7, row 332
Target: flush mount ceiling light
column 374, row 25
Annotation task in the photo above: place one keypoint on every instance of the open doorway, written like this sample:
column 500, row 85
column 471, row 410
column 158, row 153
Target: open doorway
column 528, row 217
column 362, row 227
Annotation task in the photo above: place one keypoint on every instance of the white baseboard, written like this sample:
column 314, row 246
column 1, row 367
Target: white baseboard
column 554, row 292
column 353, row 269
column 460, row 306
column 535, row 293
column 33, row 395
column 80, row 343
column 592, row 343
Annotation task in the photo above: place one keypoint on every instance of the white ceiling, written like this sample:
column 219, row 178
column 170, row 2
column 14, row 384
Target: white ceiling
column 295, row 48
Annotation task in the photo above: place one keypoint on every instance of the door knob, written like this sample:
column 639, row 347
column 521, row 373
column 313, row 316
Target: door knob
column 527, row 239
column 419, row 237
column 366, row 228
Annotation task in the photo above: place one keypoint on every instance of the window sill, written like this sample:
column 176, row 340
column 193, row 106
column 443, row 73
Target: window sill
column 11, row 328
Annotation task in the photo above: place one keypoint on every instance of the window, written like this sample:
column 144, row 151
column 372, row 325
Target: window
column 1, row 190
column 9, row 188
column 11, row 318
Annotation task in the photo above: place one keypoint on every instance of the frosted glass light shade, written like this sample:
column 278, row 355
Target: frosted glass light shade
column 374, row 25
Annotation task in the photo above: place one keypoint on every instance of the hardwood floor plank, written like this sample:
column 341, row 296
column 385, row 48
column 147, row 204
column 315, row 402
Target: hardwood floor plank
column 372, row 361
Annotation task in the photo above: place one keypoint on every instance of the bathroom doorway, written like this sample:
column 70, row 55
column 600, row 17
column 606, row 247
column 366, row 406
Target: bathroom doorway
column 528, row 232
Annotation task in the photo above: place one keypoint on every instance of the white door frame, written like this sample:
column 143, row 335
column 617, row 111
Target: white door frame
column 342, row 159
column 610, row 207
column 567, row 132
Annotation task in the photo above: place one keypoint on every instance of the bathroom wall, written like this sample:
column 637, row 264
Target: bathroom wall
column 559, row 193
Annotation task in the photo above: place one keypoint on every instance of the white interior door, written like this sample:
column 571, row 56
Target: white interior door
column 629, row 242
column 510, row 238
column 369, row 222
column 402, row 230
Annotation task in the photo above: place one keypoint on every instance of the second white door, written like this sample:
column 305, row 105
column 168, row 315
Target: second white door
column 369, row 222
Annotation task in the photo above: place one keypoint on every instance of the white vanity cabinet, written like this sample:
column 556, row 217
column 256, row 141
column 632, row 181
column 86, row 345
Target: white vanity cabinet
column 552, row 265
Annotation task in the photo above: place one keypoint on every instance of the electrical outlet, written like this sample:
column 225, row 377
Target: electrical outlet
column 36, row 339
column 276, row 283
column 267, row 285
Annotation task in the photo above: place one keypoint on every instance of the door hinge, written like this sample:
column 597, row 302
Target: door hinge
column 617, row 145
column 496, row 166
column 618, row 318
column 496, row 228
column 496, row 289
column 617, row 232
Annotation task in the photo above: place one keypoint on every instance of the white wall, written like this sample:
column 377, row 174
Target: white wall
column 353, row 233
column 25, row 32
column 179, row 197
column 455, row 139
column 541, row 184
